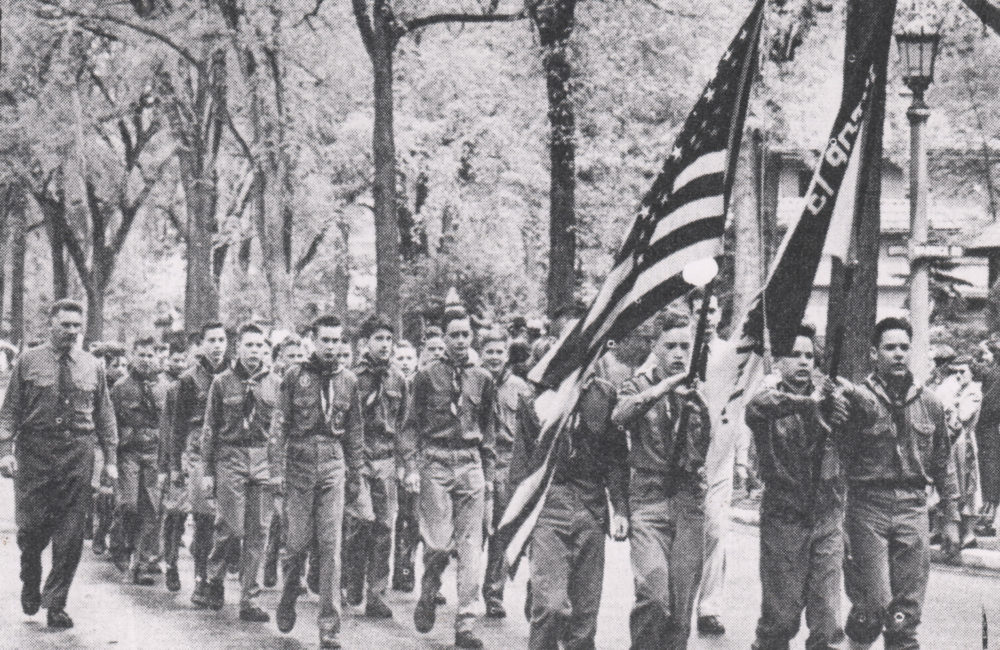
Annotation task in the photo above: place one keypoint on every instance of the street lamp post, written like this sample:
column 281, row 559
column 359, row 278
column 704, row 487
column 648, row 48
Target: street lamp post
column 918, row 44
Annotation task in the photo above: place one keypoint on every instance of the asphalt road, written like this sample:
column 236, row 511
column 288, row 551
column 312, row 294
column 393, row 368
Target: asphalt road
column 109, row 613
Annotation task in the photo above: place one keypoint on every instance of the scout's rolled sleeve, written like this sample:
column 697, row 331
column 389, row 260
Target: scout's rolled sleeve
column 104, row 420
column 633, row 402
column 771, row 403
column 10, row 412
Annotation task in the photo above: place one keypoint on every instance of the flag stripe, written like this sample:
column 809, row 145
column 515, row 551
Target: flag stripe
column 710, row 163
column 710, row 206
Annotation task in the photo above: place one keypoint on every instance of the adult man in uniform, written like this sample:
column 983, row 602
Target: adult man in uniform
column 187, row 467
column 320, row 437
column 666, row 488
column 138, row 401
column 173, row 504
column 511, row 389
column 370, row 517
column 238, row 465
column 452, row 425
column 896, row 444
column 567, row 544
column 56, row 404
column 801, row 516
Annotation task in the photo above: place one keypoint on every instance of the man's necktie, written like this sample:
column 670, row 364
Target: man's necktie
column 65, row 388
column 458, row 374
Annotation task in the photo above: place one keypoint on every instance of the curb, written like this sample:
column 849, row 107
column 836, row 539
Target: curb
column 971, row 558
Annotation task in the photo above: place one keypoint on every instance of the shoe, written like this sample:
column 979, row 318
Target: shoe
column 138, row 578
column 710, row 626
column 58, row 619
column 154, row 569
column 375, row 608
column 216, row 594
column 286, row 610
column 468, row 640
column 173, row 579
column 423, row 615
column 31, row 600
column 200, row 595
column 98, row 547
column 254, row 614
column 352, row 594
column 495, row 610
column 440, row 600
column 328, row 640
column 986, row 530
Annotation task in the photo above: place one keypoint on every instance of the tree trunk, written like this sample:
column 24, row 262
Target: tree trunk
column 860, row 300
column 554, row 20
column 748, row 275
column 342, row 272
column 4, row 244
column 18, row 250
column 387, row 255
column 201, row 299
column 95, row 309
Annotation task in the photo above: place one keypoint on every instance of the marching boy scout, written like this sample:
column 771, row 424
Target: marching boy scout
column 238, row 462
column 371, row 516
column 320, row 439
column 452, row 428
column 666, row 489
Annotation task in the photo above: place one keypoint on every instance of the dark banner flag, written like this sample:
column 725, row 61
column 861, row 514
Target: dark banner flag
column 680, row 221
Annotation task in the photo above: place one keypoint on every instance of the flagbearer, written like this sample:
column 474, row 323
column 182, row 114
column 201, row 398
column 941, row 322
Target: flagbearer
column 801, row 517
column 138, row 400
column 450, row 435
column 55, row 411
column 896, row 444
column 238, row 470
column 371, row 516
column 320, row 440
column 567, row 544
column 666, row 488
column 510, row 390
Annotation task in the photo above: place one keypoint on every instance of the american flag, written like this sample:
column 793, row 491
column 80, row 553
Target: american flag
column 680, row 220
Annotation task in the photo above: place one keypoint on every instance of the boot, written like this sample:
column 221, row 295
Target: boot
column 173, row 579
column 137, row 577
column 199, row 597
column 286, row 607
column 216, row 594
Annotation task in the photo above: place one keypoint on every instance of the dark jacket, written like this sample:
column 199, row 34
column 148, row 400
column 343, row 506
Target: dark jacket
column 383, row 394
column 31, row 404
column 899, row 442
column 138, row 401
column 189, row 414
column 166, row 445
column 652, row 425
column 236, row 413
column 441, row 417
column 301, row 409
column 792, row 447
column 591, row 456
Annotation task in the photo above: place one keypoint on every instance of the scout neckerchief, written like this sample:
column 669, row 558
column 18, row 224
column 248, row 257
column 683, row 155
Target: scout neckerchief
column 147, row 401
column 210, row 369
column 379, row 370
column 326, row 372
column 250, row 383
column 458, row 368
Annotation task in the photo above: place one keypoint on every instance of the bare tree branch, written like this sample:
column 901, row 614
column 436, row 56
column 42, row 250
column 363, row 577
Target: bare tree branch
column 364, row 25
column 987, row 12
column 60, row 10
column 437, row 19
column 307, row 18
column 670, row 12
column 310, row 252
